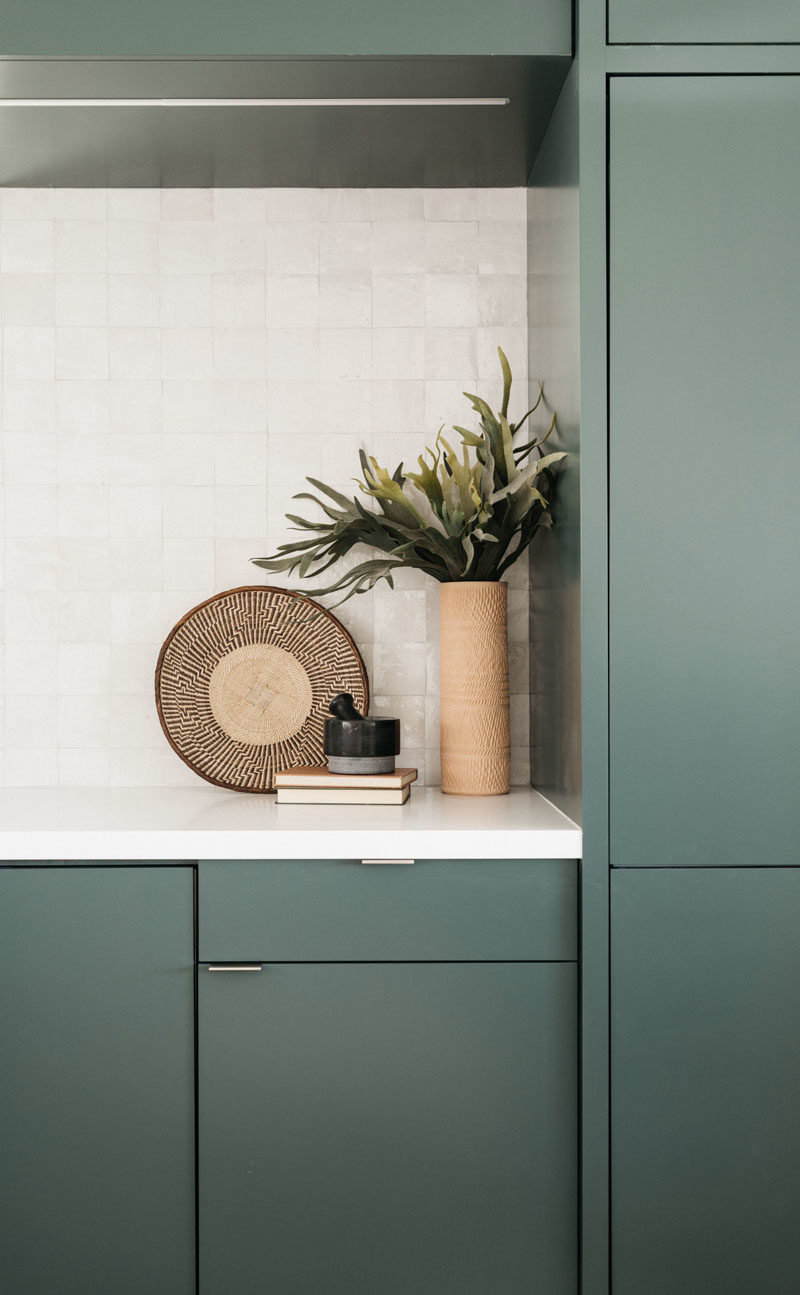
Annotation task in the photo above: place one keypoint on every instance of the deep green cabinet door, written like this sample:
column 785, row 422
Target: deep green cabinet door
column 705, row 1112
column 96, row 1081
column 704, row 465
column 405, row 1128
column 703, row 22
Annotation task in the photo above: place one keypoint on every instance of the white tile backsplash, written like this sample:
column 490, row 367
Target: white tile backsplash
column 26, row 246
column 133, row 246
column 29, row 353
column 27, row 406
column 293, row 248
column 27, row 204
column 240, row 301
column 80, row 299
column 186, row 247
column 80, row 245
column 27, row 299
column 186, row 301
column 502, row 247
column 398, row 300
column 451, row 247
column 174, row 363
column 234, row 205
column 80, row 204
column 83, row 353
column 450, row 204
column 451, row 300
column 398, row 247
column 133, row 299
column 343, row 300
column 134, row 204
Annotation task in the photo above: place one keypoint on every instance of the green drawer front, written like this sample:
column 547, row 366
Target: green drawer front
column 703, row 22
column 346, row 911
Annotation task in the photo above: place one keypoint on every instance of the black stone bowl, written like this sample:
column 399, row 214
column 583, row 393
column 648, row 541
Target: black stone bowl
column 354, row 743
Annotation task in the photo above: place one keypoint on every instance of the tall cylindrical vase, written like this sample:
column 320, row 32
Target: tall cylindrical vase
column 473, row 652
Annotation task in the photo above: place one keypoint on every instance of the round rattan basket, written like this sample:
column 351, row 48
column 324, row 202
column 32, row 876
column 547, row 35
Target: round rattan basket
column 243, row 683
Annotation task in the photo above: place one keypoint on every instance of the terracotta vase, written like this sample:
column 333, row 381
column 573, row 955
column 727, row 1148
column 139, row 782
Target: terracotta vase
column 473, row 653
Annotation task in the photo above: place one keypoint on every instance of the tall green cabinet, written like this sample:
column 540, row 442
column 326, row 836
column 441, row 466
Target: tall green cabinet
column 704, row 445
column 704, row 628
column 97, row 1080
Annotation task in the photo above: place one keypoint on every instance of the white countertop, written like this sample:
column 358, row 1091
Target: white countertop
column 208, row 823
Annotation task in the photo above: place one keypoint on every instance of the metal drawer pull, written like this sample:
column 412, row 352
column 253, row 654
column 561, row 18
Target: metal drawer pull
column 235, row 966
column 387, row 860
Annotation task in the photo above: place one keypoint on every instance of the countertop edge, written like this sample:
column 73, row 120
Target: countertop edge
column 63, row 845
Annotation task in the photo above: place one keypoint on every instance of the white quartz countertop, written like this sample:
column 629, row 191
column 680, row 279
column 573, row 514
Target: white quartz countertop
column 209, row 823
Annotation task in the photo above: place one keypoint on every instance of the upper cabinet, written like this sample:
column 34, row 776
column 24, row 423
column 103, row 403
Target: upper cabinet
column 345, row 93
column 266, row 28
column 703, row 22
column 705, row 457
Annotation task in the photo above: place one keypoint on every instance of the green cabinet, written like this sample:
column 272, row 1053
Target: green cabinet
column 199, row 28
column 705, row 1059
column 703, row 22
column 704, row 459
column 382, row 1125
column 304, row 910
column 97, row 1080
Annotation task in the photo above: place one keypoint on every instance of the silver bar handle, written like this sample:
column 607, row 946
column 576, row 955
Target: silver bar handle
column 235, row 966
column 407, row 861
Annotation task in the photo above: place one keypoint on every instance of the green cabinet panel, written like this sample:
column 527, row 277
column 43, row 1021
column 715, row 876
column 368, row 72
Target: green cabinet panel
column 704, row 460
column 703, row 22
column 315, row 910
column 705, row 1081
column 388, row 1128
column 200, row 28
column 97, row 1081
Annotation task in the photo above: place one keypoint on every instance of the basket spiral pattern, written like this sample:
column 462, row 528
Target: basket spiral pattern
column 243, row 683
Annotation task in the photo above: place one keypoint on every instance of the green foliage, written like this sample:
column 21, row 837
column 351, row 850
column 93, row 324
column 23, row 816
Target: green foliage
column 466, row 514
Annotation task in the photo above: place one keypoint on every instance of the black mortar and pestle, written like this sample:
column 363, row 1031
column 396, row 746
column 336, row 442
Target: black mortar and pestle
column 355, row 743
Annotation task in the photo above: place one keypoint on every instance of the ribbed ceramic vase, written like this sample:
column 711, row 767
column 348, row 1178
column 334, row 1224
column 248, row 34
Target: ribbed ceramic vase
column 473, row 653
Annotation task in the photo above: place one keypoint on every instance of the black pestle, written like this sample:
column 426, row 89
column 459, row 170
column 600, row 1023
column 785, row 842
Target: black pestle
column 343, row 707
column 356, row 743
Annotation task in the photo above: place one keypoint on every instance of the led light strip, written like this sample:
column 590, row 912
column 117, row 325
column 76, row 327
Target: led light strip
column 256, row 103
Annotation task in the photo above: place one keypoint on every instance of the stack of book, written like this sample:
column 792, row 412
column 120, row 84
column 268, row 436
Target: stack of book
column 315, row 785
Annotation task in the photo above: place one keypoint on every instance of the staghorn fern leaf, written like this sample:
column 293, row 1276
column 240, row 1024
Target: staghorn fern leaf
column 506, row 368
column 481, row 508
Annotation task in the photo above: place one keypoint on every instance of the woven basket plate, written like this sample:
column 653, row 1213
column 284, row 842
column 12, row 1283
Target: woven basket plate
column 244, row 680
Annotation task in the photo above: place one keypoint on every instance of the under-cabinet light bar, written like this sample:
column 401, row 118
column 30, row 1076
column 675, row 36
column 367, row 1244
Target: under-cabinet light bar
column 257, row 103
